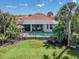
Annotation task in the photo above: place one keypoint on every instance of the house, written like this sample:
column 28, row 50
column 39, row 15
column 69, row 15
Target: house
column 36, row 25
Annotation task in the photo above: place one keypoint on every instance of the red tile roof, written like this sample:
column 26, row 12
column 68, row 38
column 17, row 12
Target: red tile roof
column 37, row 16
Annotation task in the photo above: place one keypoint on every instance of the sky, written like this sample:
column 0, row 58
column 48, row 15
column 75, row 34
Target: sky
column 25, row 7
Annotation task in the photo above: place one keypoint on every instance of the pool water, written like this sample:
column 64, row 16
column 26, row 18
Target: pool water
column 42, row 33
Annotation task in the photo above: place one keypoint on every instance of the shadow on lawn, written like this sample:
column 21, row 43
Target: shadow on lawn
column 56, row 56
column 46, row 57
column 48, row 46
column 74, row 53
column 71, row 51
column 53, row 43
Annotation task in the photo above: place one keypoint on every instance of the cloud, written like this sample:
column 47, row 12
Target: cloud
column 11, row 6
column 60, row 3
column 24, row 4
column 40, row 5
column 74, row 1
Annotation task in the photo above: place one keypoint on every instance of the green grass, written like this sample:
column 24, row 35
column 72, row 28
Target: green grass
column 33, row 49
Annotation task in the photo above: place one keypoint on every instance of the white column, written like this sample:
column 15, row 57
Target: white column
column 44, row 27
column 30, row 27
column 48, row 27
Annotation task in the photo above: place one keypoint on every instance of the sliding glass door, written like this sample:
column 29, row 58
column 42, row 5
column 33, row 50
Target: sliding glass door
column 37, row 27
column 26, row 27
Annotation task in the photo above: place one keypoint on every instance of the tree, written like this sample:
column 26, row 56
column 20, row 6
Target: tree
column 12, row 29
column 64, row 14
column 8, row 26
column 67, row 19
column 0, row 11
column 50, row 13
column 58, row 31
column 75, row 22
column 30, row 15
column 4, row 21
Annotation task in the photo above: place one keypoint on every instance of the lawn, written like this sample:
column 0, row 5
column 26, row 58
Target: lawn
column 33, row 49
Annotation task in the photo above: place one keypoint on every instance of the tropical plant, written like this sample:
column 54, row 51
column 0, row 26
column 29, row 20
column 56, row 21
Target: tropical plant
column 3, row 38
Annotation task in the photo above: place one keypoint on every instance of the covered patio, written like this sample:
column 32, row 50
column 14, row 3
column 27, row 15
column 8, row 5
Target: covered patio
column 36, row 27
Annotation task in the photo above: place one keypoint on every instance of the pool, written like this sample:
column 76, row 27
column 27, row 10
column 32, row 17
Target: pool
column 42, row 33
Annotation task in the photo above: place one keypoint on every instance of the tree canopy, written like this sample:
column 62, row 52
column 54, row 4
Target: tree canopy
column 50, row 13
column 64, row 15
column 8, row 25
column 68, row 16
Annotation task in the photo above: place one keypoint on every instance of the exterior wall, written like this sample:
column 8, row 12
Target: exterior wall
column 47, row 29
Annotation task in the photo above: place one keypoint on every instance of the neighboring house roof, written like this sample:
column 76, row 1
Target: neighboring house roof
column 37, row 18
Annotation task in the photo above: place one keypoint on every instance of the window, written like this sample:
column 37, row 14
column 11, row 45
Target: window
column 37, row 27
column 47, row 26
column 26, row 27
column 50, row 26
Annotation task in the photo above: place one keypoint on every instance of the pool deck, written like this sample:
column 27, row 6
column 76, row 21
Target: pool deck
column 37, row 34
